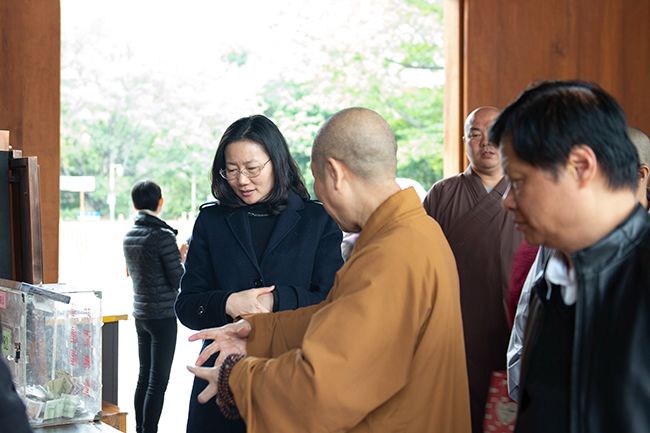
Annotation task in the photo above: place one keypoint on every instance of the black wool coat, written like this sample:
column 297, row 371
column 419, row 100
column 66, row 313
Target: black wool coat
column 301, row 259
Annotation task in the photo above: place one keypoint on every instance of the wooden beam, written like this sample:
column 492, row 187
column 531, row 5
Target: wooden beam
column 453, row 150
column 30, row 102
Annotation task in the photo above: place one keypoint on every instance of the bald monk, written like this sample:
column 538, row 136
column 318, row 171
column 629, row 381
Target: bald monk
column 483, row 238
column 642, row 144
column 384, row 351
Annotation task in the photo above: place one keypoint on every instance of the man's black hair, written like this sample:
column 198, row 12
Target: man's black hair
column 548, row 119
column 146, row 195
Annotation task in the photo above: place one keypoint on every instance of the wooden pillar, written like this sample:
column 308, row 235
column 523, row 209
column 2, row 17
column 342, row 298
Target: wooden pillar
column 453, row 150
column 30, row 102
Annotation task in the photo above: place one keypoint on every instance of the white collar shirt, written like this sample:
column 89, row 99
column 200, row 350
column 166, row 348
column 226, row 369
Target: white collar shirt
column 558, row 273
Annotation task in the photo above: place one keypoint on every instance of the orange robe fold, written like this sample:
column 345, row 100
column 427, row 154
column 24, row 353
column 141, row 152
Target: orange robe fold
column 383, row 353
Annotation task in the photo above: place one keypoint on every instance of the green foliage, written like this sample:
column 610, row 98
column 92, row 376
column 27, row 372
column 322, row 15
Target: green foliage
column 126, row 122
column 298, row 112
column 375, row 75
column 237, row 58
column 167, row 129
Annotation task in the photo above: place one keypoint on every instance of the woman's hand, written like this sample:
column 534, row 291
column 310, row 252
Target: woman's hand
column 183, row 251
column 251, row 301
column 266, row 300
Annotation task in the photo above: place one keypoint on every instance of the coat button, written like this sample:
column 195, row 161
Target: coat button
column 257, row 283
column 201, row 310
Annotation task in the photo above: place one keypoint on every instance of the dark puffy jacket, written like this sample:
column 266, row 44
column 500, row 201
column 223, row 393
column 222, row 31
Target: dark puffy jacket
column 610, row 371
column 154, row 263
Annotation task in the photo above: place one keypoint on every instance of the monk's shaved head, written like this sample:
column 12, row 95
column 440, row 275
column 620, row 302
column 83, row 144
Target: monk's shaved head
column 481, row 112
column 642, row 144
column 362, row 140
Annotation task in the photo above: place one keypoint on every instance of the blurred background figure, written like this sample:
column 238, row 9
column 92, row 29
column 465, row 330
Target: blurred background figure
column 154, row 263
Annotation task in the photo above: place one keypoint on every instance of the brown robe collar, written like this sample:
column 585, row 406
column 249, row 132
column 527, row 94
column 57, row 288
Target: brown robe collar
column 400, row 205
column 500, row 187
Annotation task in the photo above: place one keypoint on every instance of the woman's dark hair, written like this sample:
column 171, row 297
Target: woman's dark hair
column 286, row 174
column 548, row 119
column 146, row 195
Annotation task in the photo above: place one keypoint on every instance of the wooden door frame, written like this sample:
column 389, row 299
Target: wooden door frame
column 454, row 160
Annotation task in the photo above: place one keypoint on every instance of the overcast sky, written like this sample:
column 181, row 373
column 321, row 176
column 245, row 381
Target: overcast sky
column 187, row 40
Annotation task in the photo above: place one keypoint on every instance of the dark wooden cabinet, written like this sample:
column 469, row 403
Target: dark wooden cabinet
column 20, row 218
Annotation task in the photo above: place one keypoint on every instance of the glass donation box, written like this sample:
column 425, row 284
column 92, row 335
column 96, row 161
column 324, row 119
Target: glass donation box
column 51, row 341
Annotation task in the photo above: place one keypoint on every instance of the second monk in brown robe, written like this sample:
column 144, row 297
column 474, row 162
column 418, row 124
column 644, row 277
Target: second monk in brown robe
column 482, row 236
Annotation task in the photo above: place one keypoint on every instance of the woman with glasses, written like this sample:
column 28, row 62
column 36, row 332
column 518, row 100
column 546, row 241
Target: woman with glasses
column 263, row 247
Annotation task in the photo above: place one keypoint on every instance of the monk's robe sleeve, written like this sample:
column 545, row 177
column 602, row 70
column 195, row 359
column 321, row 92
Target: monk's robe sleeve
column 355, row 354
column 274, row 334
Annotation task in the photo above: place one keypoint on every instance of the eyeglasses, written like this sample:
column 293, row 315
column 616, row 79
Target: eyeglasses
column 249, row 172
column 514, row 186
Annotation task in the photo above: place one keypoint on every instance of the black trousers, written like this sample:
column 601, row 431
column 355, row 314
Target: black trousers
column 156, row 346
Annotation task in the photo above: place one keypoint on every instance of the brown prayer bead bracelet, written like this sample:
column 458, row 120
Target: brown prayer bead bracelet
column 225, row 399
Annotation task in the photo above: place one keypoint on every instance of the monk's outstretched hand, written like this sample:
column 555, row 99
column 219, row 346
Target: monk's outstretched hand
column 209, row 374
column 227, row 340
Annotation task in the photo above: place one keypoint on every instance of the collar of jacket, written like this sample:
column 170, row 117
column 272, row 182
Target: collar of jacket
column 237, row 220
column 403, row 204
column 146, row 219
column 613, row 246
column 294, row 202
column 501, row 187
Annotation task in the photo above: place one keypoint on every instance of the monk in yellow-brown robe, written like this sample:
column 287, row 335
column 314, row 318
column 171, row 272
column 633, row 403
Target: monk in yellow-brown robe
column 384, row 352
column 483, row 237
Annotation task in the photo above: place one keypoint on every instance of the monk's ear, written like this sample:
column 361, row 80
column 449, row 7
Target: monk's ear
column 335, row 171
column 582, row 164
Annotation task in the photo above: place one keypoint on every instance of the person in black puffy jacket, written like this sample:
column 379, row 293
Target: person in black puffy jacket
column 154, row 263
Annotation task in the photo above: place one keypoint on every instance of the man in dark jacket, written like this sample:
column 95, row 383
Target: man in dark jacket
column 573, row 174
column 154, row 263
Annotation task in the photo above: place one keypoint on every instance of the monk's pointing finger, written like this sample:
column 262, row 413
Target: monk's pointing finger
column 198, row 372
column 205, row 334
column 206, row 354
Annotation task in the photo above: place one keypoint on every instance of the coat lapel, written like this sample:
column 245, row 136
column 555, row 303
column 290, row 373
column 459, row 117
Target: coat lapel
column 287, row 220
column 238, row 223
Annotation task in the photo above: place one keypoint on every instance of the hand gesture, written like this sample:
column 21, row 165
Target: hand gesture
column 210, row 375
column 251, row 301
column 227, row 339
